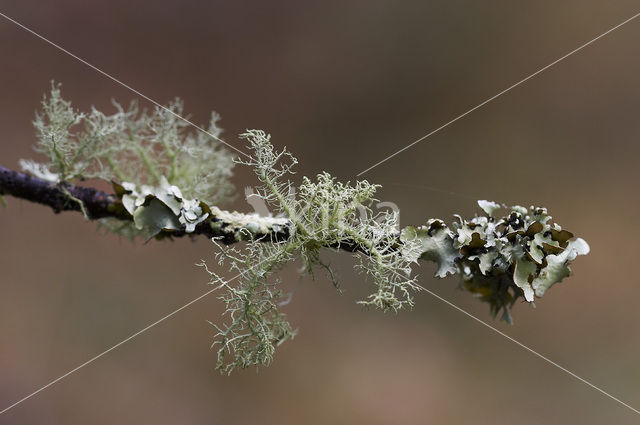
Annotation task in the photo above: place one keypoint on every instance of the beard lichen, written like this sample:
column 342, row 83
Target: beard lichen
column 323, row 213
column 134, row 147
column 168, row 179
column 498, row 259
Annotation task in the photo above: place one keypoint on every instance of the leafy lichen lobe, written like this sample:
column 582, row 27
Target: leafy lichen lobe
column 499, row 259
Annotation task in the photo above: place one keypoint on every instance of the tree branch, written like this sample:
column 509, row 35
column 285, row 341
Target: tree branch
column 99, row 204
column 521, row 254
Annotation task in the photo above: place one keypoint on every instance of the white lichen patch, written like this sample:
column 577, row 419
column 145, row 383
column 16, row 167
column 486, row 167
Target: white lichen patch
column 39, row 170
column 489, row 206
column 241, row 223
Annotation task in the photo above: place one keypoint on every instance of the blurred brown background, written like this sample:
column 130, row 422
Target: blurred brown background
column 342, row 84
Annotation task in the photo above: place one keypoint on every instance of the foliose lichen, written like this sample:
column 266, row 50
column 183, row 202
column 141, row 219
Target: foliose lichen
column 499, row 259
column 170, row 180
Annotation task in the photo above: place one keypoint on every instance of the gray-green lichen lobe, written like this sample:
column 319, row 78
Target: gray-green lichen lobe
column 499, row 259
column 162, row 207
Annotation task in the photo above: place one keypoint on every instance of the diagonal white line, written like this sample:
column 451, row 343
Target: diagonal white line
column 91, row 360
column 121, row 83
column 499, row 94
column 532, row 351
column 375, row 165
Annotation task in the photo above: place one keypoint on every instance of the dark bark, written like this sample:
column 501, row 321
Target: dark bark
column 99, row 204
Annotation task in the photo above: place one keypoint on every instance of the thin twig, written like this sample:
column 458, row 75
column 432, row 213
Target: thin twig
column 99, row 204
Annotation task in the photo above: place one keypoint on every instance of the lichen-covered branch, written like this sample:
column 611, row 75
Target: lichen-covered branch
column 168, row 182
column 228, row 227
column 60, row 197
column 499, row 258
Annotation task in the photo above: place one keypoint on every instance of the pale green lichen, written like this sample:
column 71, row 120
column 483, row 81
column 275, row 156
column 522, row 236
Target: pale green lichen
column 323, row 213
column 161, row 207
column 138, row 147
column 169, row 180
column 500, row 259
